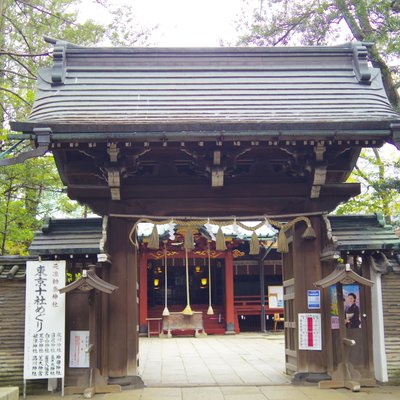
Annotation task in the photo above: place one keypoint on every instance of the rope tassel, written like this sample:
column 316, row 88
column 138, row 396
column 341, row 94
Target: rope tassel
column 189, row 242
column 309, row 233
column 254, row 244
column 220, row 241
column 165, row 313
column 187, row 310
column 283, row 246
column 154, row 240
column 210, row 310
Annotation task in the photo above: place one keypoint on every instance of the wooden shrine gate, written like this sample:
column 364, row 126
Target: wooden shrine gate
column 201, row 132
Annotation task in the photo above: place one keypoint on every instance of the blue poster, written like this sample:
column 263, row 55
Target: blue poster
column 314, row 299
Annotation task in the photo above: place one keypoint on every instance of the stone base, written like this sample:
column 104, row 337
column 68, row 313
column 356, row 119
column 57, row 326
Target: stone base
column 127, row 382
column 9, row 393
column 304, row 378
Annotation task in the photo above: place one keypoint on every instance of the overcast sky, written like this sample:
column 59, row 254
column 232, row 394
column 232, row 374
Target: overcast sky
column 180, row 22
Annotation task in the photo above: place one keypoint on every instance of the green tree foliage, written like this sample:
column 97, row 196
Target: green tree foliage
column 32, row 190
column 27, row 195
column 380, row 186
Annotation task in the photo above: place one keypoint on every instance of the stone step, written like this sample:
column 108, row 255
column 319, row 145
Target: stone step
column 9, row 393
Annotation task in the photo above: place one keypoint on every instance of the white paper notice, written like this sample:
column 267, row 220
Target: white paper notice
column 44, row 320
column 78, row 345
column 310, row 332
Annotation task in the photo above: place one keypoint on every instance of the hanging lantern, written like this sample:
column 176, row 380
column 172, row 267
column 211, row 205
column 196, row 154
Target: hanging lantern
column 203, row 282
column 197, row 269
column 156, row 284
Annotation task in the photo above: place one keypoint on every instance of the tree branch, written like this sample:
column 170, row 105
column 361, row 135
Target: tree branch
column 350, row 20
column 16, row 94
column 8, row 71
column 22, row 65
column 10, row 53
column 18, row 30
column 46, row 12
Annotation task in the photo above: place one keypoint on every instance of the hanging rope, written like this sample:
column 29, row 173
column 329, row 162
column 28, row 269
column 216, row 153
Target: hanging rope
column 187, row 310
column 166, row 311
column 190, row 224
column 210, row 310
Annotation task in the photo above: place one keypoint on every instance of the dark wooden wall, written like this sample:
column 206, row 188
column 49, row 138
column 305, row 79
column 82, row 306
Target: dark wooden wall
column 12, row 320
column 12, row 328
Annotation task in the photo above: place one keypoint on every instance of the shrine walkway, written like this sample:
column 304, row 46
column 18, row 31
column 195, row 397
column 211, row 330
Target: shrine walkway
column 245, row 359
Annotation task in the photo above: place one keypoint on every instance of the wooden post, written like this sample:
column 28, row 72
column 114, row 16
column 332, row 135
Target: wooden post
column 229, row 313
column 143, row 308
column 123, row 307
column 306, row 271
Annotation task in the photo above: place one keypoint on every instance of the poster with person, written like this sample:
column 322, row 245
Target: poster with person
column 334, row 308
column 351, row 299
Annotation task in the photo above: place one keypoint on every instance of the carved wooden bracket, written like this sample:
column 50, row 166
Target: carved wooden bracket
column 113, row 152
column 114, row 182
column 319, row 180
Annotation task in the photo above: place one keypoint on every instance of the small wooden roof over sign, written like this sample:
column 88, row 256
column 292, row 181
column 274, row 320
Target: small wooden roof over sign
column 178, row 93
column 343, row 274
column 89, row 281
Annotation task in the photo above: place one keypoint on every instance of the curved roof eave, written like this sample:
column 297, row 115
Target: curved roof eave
column 298, row 92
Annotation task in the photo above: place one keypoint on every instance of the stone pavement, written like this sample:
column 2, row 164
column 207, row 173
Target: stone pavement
column 245, row 359
column 243, row 367
column 287, row 392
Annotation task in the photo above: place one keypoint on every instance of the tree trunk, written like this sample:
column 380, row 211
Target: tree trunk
column 5, row 226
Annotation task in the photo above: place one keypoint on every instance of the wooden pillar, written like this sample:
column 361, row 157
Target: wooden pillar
column 123, row 306
column 143, row 294
column 307, row 270
column 229, row 314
